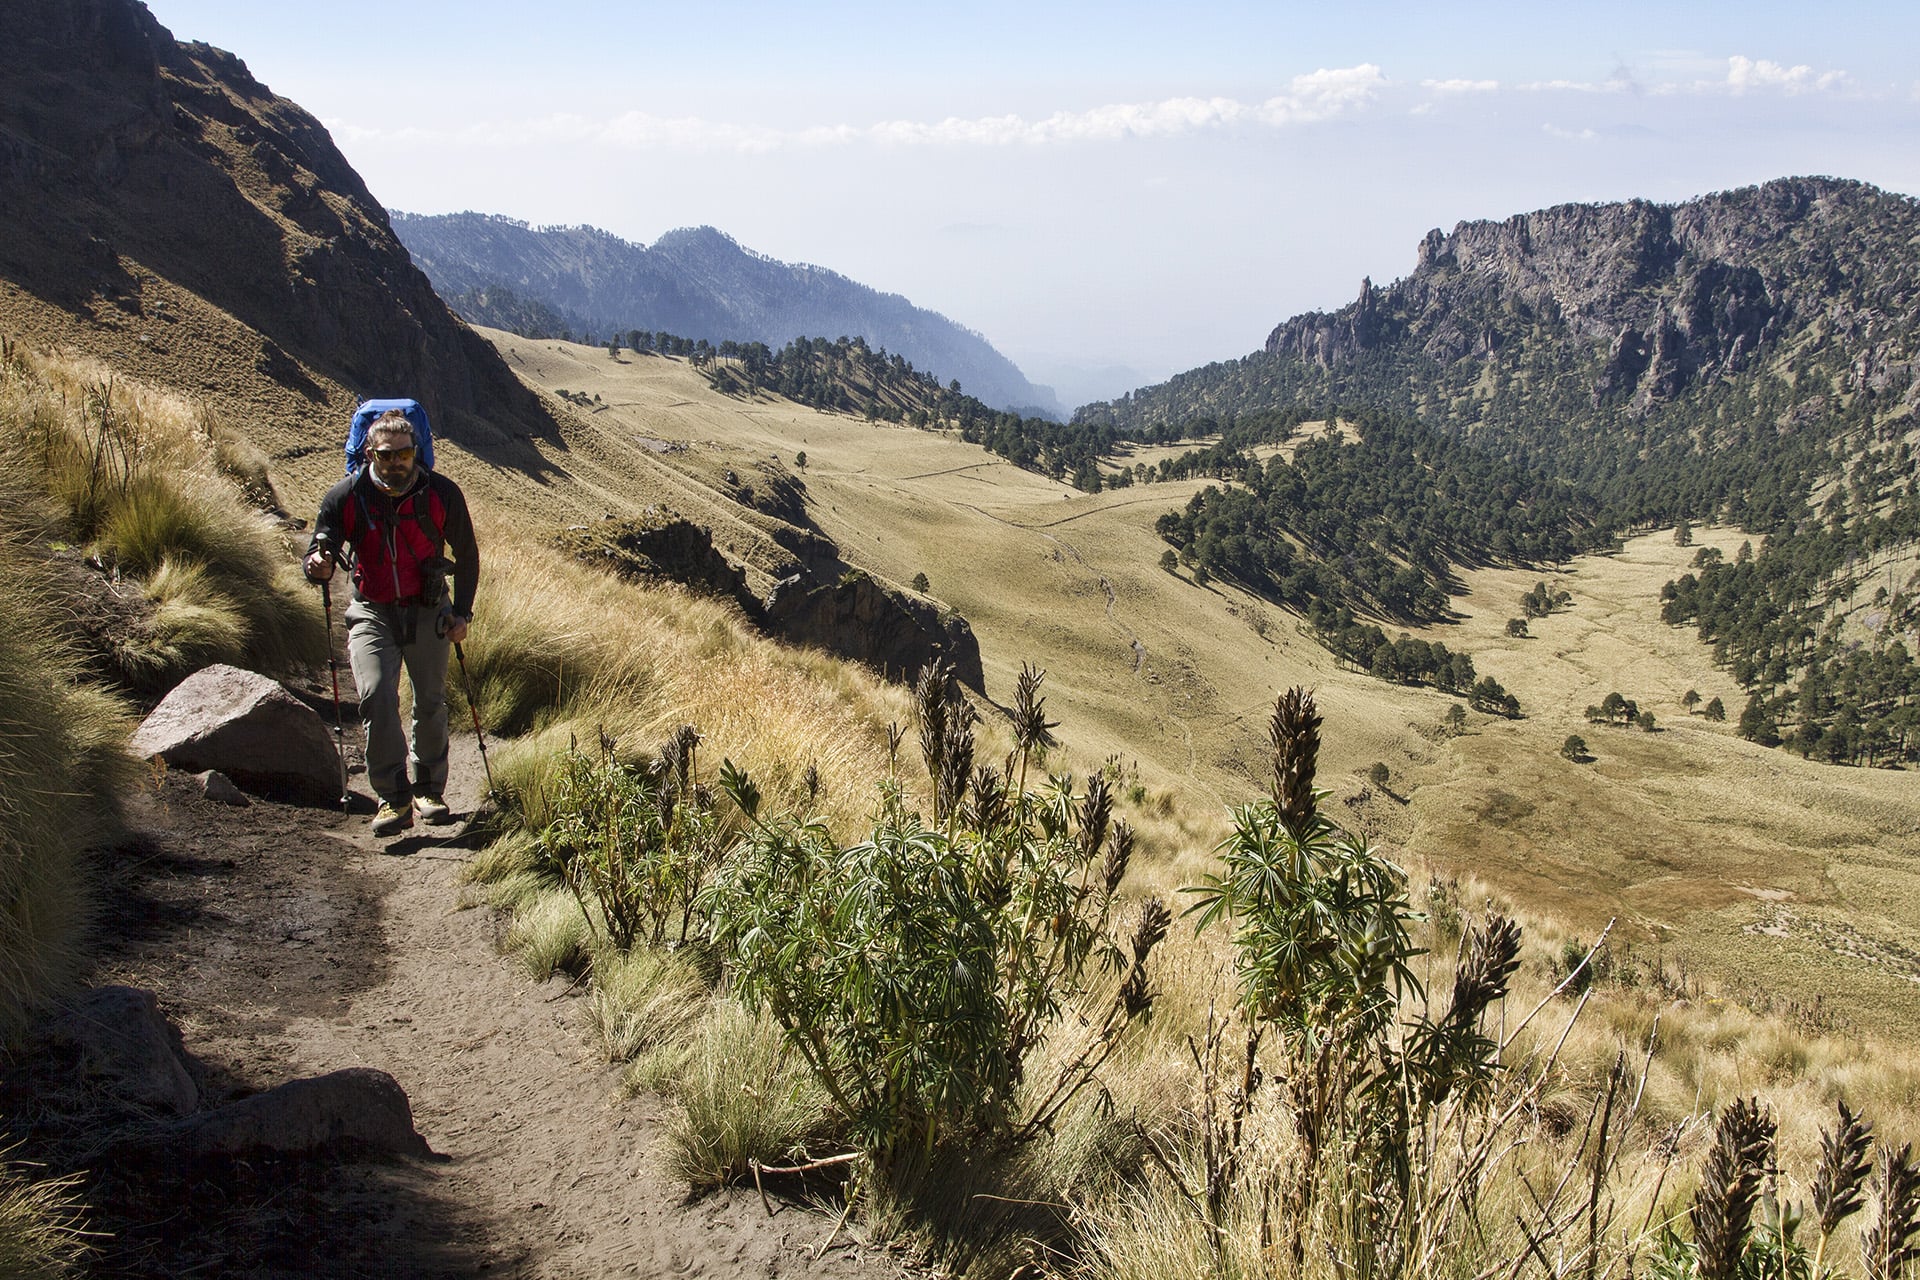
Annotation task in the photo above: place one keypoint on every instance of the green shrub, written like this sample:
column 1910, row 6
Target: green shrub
column 638, row 845
column 916, row 970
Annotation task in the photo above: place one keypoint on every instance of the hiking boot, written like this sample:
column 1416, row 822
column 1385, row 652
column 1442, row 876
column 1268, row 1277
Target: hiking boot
column 391, row 819
column 432, row 809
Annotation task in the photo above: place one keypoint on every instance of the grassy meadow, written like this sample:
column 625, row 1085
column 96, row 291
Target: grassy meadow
column 1750, row 869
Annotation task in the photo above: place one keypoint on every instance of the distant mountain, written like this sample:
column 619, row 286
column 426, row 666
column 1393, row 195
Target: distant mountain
column 697, row 283
column 1664, row 356
column 1750, row 358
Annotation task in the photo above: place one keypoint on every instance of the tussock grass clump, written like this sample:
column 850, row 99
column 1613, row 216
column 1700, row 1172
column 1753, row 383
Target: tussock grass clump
column 62, row 766
column 161, row 494
column 194, row 623
column 549, row 935
column 41, row 1237
column 743, row 1097
column 643, row 999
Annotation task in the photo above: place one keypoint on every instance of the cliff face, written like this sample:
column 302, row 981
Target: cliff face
column 161, row 206
column 1660, row 297
column 696, row 282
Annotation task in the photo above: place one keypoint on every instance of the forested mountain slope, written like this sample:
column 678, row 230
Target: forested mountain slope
column 1746, row 358
column 695, row 282
column 1676, row 360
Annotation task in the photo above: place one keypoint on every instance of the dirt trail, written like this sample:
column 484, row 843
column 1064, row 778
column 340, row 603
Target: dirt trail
column 287, row 942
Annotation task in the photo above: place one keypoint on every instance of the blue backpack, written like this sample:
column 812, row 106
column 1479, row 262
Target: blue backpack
column 364, row 416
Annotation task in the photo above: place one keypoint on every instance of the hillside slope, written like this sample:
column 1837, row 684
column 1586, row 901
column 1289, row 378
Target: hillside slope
column 163, row 210
column 1674, row 359
column 695, row 282
column 1174, row 678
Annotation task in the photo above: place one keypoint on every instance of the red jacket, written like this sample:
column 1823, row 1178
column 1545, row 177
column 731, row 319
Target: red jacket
column 390, row 539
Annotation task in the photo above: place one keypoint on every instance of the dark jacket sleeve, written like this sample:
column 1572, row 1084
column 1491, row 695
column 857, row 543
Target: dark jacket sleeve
column 329, row 527
column 462, row 548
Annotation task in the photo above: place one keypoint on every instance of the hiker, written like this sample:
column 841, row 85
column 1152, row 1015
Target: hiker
column 399, row 518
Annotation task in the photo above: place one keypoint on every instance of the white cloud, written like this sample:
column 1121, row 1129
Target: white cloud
column 1751, row 75
column 1617, row 84
column 637, row 129
column 1569, row 135
column 1316, row 96
column 1461, row 86
column 1099, row 124
column 1321, row 94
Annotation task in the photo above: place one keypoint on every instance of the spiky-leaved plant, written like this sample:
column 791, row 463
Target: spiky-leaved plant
column 634, row 845
column 1722, row 1210
column 946, row 736
column 1032, row 731
column 1839, row 1180
column 1890, row 1244
column 1453, row 1053
column 1321, row 920
column 1293, row 736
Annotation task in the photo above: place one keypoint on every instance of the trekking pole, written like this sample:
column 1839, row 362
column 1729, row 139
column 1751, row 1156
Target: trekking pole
column 333, row 669
column 466, row 683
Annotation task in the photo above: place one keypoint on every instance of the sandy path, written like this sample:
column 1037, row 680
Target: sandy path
column 288, row 943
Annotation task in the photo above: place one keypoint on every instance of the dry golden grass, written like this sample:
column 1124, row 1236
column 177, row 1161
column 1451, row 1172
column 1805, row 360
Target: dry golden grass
column 1725, row 864
column 163, row 493
column 742, row 1097
column 1698, row 843
column 566, row 652
column 1750, row 866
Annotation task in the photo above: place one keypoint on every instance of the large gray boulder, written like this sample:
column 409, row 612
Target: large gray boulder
column 247, row 727
column 126, row 1048
column 357, row 1107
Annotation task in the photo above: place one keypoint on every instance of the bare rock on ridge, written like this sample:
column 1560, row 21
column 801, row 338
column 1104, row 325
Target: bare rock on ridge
column 861, row 619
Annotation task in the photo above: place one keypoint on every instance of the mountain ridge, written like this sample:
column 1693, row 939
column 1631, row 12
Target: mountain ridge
column 696, row 282
column 1644, row 302
column 173, row 215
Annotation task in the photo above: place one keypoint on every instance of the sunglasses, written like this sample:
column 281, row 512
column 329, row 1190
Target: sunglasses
column 403, row 454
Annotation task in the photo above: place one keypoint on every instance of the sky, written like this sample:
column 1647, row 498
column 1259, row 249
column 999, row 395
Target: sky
column 1110, row 192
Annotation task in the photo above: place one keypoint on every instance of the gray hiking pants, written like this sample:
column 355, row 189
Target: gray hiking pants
column 381, row 639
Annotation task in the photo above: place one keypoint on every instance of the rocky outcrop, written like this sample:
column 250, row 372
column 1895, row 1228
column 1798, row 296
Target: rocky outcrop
column 859, row 618
column 661, row 548
column 855, row 616
column 123, row 1046
column 1657, row 297
column 247, row 727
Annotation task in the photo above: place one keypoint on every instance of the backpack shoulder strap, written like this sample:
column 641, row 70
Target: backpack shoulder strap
column 423, row 514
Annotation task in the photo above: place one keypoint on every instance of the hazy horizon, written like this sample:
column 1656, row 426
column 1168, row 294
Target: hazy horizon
column 1109, row 194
